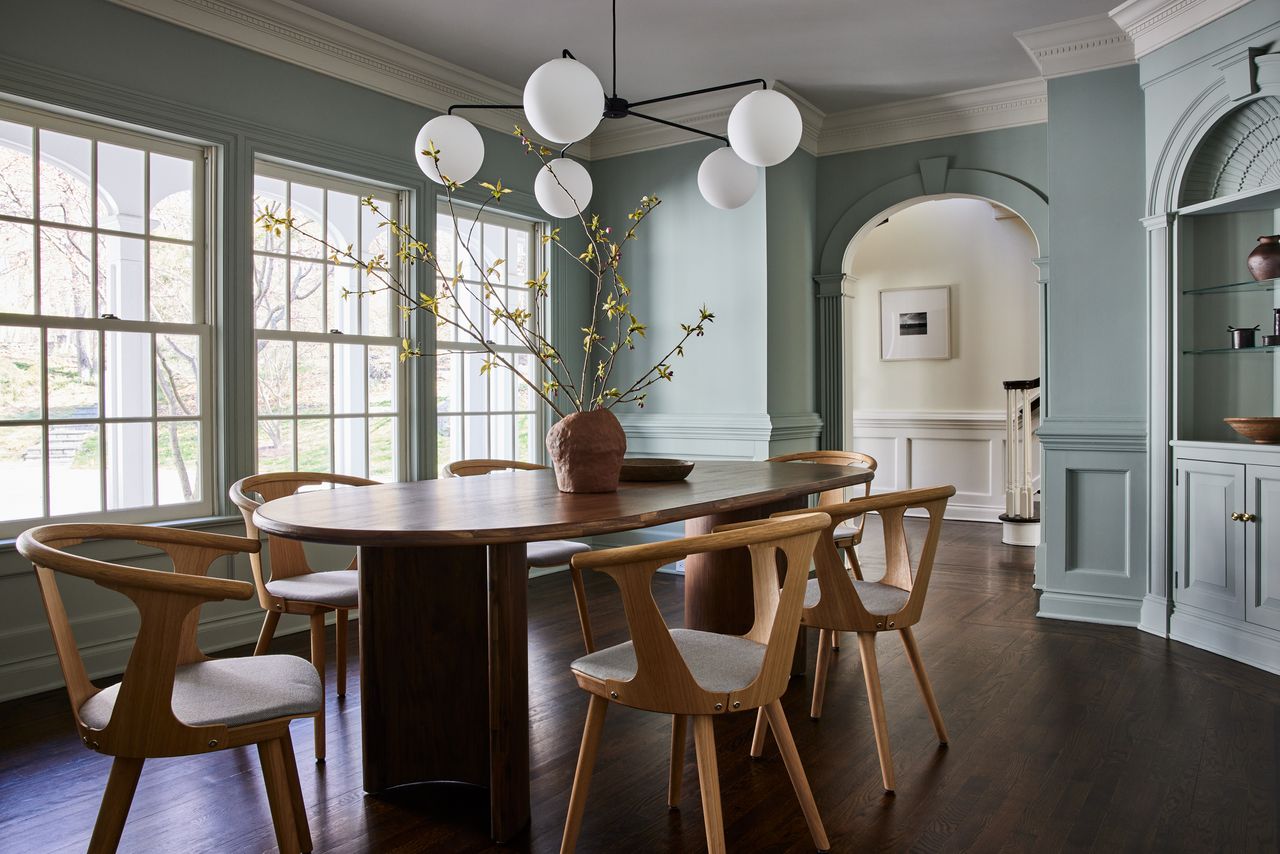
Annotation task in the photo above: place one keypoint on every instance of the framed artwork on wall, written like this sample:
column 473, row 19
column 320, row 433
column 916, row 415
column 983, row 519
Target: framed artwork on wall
column 915, row 323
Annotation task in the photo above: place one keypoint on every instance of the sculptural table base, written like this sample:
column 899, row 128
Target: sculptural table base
column 444, row 672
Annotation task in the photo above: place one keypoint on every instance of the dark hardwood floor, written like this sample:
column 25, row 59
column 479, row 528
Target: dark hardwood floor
column 1064, row 737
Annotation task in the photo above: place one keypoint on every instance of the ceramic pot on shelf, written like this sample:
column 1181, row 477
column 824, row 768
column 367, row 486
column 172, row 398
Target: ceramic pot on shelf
column 586, row 451
column 1264, row 260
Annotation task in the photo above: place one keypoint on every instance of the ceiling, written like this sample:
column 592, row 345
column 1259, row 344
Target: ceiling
column 839, row 54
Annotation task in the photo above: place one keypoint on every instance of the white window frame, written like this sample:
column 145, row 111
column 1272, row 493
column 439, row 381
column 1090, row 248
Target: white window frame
column 462, row 344
column 360, row 188
column 202, row 237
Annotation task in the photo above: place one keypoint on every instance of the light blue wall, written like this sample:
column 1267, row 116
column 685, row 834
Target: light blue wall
column 689, row 253
column 791, row 243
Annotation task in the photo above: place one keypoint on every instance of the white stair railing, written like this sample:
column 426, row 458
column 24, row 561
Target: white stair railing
column 1021, row 397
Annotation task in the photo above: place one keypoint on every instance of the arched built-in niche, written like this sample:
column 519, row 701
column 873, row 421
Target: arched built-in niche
column 935, row 178
column 1241, row 152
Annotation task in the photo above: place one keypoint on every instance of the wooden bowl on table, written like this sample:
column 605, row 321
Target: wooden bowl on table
column 1263, row 430
column 654, row 469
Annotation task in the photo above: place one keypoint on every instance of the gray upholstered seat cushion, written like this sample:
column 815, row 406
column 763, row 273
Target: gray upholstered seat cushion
column 719, row 663
column 846, row 530
column 231, row 691
column 877, row 598
column 338, row 588
column 554, row 552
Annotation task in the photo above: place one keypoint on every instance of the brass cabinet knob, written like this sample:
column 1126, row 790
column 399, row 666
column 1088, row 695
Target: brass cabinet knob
column 1248, row 517
column 1237, row 517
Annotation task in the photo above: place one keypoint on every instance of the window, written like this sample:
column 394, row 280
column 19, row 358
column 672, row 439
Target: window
column 330, row 384
column 494, row 415
column 104, row 387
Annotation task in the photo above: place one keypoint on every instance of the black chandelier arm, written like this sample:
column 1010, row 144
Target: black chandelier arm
column 705, row 133
column 763, row 85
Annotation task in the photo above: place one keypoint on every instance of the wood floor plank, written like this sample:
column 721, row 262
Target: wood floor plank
column 1064, row 737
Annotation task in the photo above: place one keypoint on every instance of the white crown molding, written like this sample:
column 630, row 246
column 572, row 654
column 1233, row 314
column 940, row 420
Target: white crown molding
column 1152, row 24
column 1075, row 47
column 1005, row 105
column 302, row 36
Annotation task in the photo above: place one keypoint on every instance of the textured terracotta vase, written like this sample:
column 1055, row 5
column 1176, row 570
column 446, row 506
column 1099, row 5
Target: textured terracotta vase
column 586, row 450
column 1264, row 260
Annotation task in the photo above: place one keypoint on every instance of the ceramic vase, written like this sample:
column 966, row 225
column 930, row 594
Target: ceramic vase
column 586, row 451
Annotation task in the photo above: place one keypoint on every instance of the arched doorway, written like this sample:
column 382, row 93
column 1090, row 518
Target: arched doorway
column 941, row 308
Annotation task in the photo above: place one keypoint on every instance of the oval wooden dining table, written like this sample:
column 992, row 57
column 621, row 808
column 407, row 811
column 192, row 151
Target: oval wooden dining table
column 444, row 664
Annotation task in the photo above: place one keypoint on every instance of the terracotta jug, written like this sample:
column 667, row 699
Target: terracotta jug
column 586, row 450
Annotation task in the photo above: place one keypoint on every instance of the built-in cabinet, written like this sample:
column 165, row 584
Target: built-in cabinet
column 1226, row 557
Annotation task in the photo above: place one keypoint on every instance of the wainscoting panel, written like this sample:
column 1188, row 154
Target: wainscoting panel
column 962, row 448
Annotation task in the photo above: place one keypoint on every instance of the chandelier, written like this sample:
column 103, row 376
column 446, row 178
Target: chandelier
column 564, row 102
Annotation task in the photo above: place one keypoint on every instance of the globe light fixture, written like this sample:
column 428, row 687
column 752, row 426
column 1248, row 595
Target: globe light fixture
column 564, row 103
column 563, row 188
column 460, row 147
column 563, row 100
column 725, row 180
column 765, row 127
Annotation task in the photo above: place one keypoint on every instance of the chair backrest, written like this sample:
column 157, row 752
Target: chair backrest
column 662, row 681
column 838, row 605
column 467, row 468
column 142, row 722
column 831, row 458
column 288, row 558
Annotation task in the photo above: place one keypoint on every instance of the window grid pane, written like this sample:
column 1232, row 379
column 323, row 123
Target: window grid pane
column 325, row 402
column 84, row 329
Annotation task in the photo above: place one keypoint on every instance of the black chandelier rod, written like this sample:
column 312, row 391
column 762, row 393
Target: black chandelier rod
column 763, row 85
column 705, row 133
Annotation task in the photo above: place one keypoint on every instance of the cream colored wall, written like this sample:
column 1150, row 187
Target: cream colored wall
column 986, row 259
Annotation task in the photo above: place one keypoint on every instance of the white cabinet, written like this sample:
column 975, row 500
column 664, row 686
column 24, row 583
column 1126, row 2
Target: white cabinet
column 1227, row 539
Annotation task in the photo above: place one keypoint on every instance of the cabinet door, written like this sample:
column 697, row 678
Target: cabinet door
column 1262, row 558
column 1208, row 545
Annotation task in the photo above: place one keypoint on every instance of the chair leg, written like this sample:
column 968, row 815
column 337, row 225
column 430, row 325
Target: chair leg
column 295, row 793
column 922, row 679
column 820, row 673
column 582, row 774
column 757, row 738
column 704, row 742
column 871, row 673
column 835, row 640
column 854, row 566
column 317, row 659
column 580, row 599
column 267, row 633
column 791, row 759
column 121, row 784
column 340, row 629
column 271, row 754
column 678, row 726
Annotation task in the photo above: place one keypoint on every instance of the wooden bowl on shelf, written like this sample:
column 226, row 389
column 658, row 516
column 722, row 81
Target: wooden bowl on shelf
column 1263, row 430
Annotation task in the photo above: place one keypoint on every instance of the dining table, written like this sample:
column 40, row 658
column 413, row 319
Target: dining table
column 443, row 617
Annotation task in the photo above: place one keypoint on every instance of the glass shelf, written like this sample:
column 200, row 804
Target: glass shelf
column 1258, row 287
column 1209, row 350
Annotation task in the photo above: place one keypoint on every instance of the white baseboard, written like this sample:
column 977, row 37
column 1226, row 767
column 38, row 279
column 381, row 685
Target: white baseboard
column 1155, row 615
column 1255, row 646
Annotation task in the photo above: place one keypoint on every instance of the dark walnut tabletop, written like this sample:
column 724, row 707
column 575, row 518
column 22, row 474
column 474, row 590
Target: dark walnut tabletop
column 525, row 506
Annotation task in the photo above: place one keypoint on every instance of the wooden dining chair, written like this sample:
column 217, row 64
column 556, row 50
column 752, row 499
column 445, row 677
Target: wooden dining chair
column 848, row 534
column 173, row 700
column 699, row 675
column 836, row 601
column 293, row 586
column 547, row 553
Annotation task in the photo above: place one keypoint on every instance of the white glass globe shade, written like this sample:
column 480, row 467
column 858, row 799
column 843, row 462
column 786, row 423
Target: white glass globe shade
column 459, row 143
column 765, row 127
column 563, row 100
column 725, row 180
column 562, row 188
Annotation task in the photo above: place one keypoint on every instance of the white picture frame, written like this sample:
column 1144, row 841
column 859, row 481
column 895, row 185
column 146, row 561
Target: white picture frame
column 915, row 323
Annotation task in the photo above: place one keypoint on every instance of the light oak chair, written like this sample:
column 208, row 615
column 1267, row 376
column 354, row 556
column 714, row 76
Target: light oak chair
column 848, row 534
column 836, row 601
column 687, row 673
column 542, row 554
column 294, row 587
column 173, row 700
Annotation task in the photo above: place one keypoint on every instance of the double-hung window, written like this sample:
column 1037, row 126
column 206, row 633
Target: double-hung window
column 330, row 384
column 494, row 414
column 104, row 340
